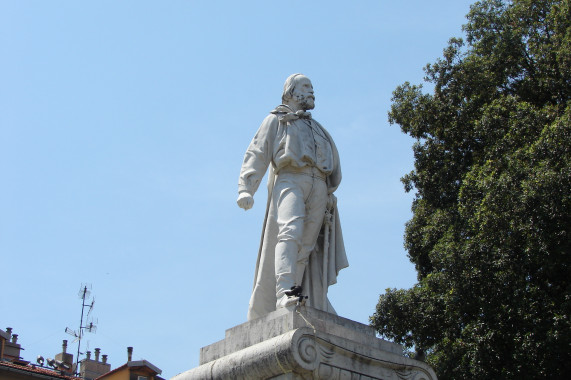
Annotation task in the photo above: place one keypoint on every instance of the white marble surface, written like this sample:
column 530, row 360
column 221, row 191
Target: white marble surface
column 305, row 343
column 304, row 171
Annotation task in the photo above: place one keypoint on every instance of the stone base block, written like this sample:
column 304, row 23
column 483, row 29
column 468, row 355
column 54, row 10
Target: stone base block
column 305, row 343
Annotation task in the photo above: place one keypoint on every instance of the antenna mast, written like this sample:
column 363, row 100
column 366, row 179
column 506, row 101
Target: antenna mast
column 84, row 293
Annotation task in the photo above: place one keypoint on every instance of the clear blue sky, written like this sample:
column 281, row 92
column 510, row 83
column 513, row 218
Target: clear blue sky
column 123, row 126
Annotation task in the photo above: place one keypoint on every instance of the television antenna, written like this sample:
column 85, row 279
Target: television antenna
column 87, row 324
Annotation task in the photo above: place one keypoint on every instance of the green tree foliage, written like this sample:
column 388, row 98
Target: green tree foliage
column 490, row 232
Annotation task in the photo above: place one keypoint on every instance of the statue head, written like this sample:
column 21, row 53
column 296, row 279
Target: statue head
column 298, row 92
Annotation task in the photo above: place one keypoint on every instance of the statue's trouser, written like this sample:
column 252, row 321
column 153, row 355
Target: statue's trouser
column 300, row 200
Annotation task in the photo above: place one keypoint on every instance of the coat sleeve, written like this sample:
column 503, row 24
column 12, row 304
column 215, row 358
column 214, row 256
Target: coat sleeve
column 258, row 156
column 333, row 179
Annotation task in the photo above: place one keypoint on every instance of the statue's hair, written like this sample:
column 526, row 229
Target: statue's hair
column 289, row 86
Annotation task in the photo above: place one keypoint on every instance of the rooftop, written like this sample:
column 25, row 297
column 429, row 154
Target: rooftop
column 24, row 367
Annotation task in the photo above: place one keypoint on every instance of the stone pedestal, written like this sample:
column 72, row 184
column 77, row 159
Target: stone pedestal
column 305, row 343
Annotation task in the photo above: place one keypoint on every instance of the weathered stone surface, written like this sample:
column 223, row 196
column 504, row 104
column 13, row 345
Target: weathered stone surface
column 305, row 343
column 304, row 171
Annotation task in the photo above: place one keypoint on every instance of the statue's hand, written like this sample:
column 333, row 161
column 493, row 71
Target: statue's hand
column 245, row 201
column 331, row 202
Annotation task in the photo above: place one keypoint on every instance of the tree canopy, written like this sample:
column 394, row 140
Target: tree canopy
column 489, row 235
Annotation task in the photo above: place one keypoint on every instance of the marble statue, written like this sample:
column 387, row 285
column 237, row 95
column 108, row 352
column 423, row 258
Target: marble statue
column 301, row 250
column 301, row 253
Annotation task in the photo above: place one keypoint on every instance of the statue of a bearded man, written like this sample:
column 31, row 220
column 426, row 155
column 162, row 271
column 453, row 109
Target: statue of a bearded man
column 302, row 247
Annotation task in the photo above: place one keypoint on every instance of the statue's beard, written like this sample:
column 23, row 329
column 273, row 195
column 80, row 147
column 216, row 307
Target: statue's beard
column 306, row 102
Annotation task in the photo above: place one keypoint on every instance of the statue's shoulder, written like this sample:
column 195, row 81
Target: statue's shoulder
column 276, row 114
column 272, row 119
column 280, row 110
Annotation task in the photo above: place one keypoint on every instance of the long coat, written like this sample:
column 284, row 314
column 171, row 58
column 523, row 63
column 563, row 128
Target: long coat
column 263, row 299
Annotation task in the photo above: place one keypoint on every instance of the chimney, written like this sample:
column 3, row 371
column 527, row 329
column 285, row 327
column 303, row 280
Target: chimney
column 65, row 357
column 88, row 355
column 92, row 369
column 11, row 348
column 129, row 353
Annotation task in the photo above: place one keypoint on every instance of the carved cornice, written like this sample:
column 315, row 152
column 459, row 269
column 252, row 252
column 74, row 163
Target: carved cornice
column 305, row 353
column 335, row 358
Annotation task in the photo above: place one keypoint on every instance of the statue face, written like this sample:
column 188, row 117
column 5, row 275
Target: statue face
column 303, row 94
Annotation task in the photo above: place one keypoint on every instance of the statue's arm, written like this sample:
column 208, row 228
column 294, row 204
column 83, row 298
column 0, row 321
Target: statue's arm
column 334, row 179
column 256, row 160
